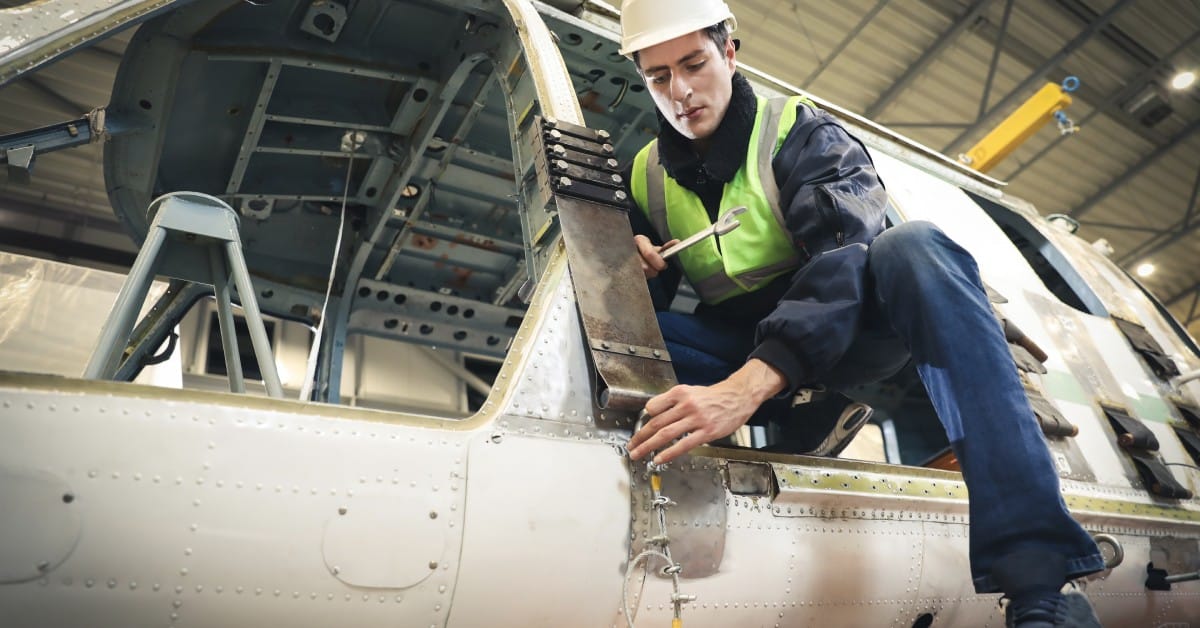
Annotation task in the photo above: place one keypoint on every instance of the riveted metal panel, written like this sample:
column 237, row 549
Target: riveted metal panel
column 945, row 588
column 35, row 500
column 829, row 493
column 800, row 572
column 556, row 384
column 214, row 513
column 547, row 516
column 37, row 33
column 695, row 520
column 408, row 542
column 1111, row 592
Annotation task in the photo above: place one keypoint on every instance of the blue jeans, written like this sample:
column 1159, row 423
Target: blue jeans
column 930, row 306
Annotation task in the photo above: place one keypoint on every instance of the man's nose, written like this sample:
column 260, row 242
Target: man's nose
column 680, row 89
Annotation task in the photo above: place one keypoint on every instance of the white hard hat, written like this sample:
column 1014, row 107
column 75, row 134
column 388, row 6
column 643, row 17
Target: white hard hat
column 646, row 23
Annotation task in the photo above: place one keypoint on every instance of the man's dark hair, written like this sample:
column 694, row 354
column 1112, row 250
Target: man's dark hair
column 717, row 33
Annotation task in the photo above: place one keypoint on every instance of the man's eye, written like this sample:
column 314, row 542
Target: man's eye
column 696, row 67
column 658, row 80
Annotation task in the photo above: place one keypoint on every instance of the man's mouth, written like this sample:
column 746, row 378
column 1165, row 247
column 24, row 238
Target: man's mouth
column 691, row 113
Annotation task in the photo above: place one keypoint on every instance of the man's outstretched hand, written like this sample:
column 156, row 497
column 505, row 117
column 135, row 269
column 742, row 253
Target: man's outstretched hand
column 704, row 413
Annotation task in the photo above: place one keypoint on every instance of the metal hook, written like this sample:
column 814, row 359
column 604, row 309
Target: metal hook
column 1118, row 551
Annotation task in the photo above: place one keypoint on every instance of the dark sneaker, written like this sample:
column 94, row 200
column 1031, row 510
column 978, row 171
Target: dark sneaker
column 1071, row 610
column 821, row 427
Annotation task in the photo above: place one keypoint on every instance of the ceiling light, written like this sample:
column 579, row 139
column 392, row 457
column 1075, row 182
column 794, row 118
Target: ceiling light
column 1145, row 270
column 1183, row 80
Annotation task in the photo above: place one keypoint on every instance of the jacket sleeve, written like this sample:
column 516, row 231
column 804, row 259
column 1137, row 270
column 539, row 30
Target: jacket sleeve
column 666, row 284
column 834, row 205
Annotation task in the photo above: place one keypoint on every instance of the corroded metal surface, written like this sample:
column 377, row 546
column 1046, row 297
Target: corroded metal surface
column 614, row 304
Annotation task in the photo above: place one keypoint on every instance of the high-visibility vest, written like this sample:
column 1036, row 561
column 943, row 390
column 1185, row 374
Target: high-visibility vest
column 749, row 257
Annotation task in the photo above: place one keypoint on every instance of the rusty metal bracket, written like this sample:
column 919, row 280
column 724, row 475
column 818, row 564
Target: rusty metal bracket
column 645, row 352
column 610, row 287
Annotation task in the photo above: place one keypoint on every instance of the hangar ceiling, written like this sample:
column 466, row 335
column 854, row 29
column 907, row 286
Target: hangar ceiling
column 943, row 72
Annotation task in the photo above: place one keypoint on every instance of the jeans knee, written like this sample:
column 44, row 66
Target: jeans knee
column 906, row 251
column 907, row 239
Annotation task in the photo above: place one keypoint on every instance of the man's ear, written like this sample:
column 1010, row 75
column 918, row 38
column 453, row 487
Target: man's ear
column 730, row 53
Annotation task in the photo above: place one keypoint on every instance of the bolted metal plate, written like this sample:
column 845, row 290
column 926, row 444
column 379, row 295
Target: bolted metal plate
column 39, row 523
column 406, row 542
column 750, row 478
column 695, row 524
column 615, row 305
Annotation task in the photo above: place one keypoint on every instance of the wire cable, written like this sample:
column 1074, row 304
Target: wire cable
column 650, row 553
column 310, row 368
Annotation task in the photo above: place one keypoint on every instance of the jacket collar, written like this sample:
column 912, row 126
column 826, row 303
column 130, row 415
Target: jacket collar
column 729, row 142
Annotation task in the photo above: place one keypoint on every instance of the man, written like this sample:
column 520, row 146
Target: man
column 812, row 290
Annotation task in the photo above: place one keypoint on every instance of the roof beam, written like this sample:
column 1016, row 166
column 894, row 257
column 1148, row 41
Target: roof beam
column 933, row 52
column 1177, row 232
column 63, row 249
column 1102, row 194
column 63, row 103
column 64, row 216
column 1179, row 296
column 1040, row 73
column 1109, row 105
column 866, row 19
column 1123, row 227
column 991, row 75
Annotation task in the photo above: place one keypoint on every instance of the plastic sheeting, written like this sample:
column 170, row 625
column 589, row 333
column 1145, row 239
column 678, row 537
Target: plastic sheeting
column 51, row 315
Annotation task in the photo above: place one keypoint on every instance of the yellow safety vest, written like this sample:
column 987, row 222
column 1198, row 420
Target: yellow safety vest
column 749, row 257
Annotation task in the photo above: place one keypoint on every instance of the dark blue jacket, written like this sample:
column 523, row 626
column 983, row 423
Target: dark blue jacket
column 834, row 205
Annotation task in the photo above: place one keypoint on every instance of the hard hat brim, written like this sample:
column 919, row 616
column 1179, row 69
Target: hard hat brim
column 643, row 40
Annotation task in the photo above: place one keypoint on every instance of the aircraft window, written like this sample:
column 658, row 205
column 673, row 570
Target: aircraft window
column 1051, row 266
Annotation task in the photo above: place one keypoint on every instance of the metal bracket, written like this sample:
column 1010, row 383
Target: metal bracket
column 18, row 150
column 698, row 518
column 644, row 352
column 324, row 19
column 157, row 325
column 610, row 288
column 20, row 163
column 387, row 310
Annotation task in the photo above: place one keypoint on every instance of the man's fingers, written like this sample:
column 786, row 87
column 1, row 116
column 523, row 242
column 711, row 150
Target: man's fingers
column 652, row 262
column 662, row 402
column 645, row 440
column 686, row 444
column 656, row 409
column 679, row 425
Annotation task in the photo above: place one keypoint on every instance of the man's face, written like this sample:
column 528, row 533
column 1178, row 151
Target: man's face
column 690, row 80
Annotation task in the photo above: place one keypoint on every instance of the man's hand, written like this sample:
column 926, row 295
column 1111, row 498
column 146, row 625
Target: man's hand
column 704, row 413
column 652, row 262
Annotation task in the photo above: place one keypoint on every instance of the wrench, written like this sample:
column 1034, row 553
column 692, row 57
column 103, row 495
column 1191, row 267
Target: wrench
column 725, row 223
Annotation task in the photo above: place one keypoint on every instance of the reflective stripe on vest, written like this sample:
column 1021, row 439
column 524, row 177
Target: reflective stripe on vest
column 748, row 257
